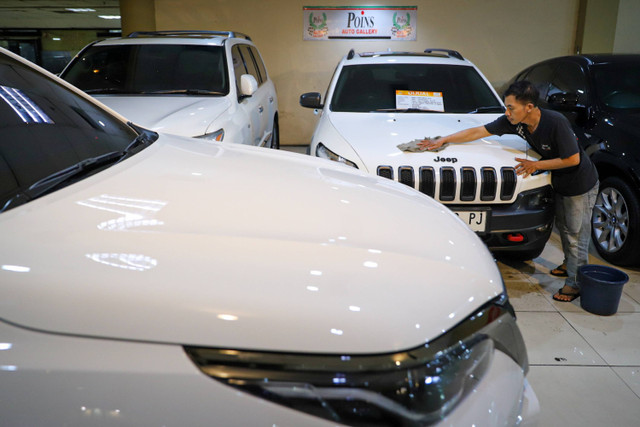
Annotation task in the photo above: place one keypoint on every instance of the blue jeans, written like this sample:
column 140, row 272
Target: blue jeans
column 573, row 220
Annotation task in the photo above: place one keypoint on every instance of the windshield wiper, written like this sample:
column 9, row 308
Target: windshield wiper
column 105, row 90
column 405, row 110
column 185, row 92
column 492, row 109
column 82, row 168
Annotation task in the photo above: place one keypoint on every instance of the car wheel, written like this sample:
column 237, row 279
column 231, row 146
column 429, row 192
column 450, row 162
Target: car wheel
column 615, row 222
column 275, row 135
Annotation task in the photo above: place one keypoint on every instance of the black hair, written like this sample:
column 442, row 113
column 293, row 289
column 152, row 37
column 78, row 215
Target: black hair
column 523, row 91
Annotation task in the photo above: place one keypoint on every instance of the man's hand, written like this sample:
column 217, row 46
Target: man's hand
column 431, row 144
column 526, row 167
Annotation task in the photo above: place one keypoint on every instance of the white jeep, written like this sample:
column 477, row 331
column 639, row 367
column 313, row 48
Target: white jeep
column 204, row 84
column 379, row 101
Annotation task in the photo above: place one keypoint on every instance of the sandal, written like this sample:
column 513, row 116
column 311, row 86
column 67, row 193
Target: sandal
column 571, row 295
column 559, row 271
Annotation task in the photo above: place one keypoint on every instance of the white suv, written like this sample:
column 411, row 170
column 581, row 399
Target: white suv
column 145, row 282
column 378, row 101
column 205, row 84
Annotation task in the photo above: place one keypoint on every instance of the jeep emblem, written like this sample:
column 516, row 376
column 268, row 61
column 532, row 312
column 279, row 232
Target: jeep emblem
column 446, row 159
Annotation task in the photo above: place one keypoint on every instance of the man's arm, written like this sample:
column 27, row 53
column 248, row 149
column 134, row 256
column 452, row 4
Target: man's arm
column 527, row 167
column 465, row 135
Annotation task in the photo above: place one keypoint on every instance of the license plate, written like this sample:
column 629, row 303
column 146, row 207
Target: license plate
column 476, row 220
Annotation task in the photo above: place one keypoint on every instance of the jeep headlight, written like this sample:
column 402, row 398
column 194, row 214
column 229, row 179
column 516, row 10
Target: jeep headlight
column 416, row 387
column 538, row 198
column 213, row 136
column 325, row 153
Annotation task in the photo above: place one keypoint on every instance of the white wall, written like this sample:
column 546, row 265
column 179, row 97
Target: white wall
column 500, row 36
column 627, row 36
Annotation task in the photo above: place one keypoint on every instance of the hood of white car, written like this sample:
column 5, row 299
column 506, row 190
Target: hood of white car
column 176, row 114
column 241, row 247
column 375, row 137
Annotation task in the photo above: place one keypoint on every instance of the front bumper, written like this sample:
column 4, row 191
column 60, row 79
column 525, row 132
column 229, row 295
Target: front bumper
column 524, row 225
column 80, row 381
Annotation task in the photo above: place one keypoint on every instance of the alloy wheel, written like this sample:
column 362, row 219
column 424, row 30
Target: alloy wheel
column 610, row 220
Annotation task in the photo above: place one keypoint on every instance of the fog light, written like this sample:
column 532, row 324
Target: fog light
column 515, row 237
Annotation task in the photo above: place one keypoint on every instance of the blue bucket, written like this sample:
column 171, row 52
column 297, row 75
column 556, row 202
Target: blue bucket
column 600, row 288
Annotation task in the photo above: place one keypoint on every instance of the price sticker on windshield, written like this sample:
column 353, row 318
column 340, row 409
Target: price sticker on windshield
column 419, row 100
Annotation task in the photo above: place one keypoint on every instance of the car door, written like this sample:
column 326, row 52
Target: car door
column 268, row 92
column 569, row 88
column 249, row 117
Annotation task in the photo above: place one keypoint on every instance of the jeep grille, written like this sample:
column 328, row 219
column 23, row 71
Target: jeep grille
column 466, row 184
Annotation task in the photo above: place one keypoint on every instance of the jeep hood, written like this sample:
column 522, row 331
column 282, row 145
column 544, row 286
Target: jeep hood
column 183, row 115
column 375, row 138
column 241, row 247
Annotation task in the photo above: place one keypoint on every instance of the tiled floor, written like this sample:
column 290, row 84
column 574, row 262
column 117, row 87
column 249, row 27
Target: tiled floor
column 584, row 368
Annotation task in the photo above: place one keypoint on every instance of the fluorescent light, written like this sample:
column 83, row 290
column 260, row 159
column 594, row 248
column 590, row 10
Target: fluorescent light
column 109, row 16
column 79, row 9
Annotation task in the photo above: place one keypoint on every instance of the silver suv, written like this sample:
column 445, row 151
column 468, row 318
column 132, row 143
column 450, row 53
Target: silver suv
column 204, row 84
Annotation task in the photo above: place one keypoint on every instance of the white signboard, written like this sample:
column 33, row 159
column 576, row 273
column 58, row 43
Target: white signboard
column 419, row 100
column 397, row 23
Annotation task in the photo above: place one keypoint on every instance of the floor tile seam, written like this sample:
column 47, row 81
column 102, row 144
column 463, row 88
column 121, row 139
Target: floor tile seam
column 584, row 338
column 631, row 297
column 572, row 365
column 625, row 383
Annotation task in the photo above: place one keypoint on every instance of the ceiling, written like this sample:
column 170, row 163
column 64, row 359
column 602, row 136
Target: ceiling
column 41, row 14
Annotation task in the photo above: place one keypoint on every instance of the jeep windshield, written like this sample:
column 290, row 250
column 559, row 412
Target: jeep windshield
column 413, row 88
column 51, row 137
column 617, row 85
column 153, row 69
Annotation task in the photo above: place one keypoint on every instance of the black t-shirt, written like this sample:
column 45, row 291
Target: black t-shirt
column 553, row 138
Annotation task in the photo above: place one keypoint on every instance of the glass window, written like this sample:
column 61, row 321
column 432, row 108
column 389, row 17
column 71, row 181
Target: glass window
column 249, row 62
column 540, row 76
column 261, row 67
column 45, row 128
column 569, row 78
column 150, row 69
column 617, row 85
column 238, row 65
column 364, row 88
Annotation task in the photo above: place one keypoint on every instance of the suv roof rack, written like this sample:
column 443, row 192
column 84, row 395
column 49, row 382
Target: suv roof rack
column 448, row 52
column 188, row 33
column 431, row 51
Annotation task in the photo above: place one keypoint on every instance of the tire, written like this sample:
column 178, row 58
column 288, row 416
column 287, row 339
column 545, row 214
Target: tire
column 275, row 135
column 615, row 223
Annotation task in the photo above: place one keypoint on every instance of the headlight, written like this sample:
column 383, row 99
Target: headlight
column 409, row 388
column 538, row 198
column 213, row 136
column 325, row 153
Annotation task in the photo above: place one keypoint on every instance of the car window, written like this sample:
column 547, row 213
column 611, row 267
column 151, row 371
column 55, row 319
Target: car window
column 540, row 76
column 249, row 63
column 148, row 69
column 261, row 68
column 238, row 65
column 617, row 85
column 569, row 78
column 364, row 88
column 45, row 128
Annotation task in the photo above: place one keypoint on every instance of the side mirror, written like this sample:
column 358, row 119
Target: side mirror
column 248, row 85
column 311, row 100
column 567, row 103
column 563, row 100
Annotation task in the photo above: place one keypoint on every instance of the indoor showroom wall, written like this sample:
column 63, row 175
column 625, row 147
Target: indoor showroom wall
column 500, row 36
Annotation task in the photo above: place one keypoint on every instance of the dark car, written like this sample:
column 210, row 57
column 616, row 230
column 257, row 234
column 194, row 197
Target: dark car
column 600, row 95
